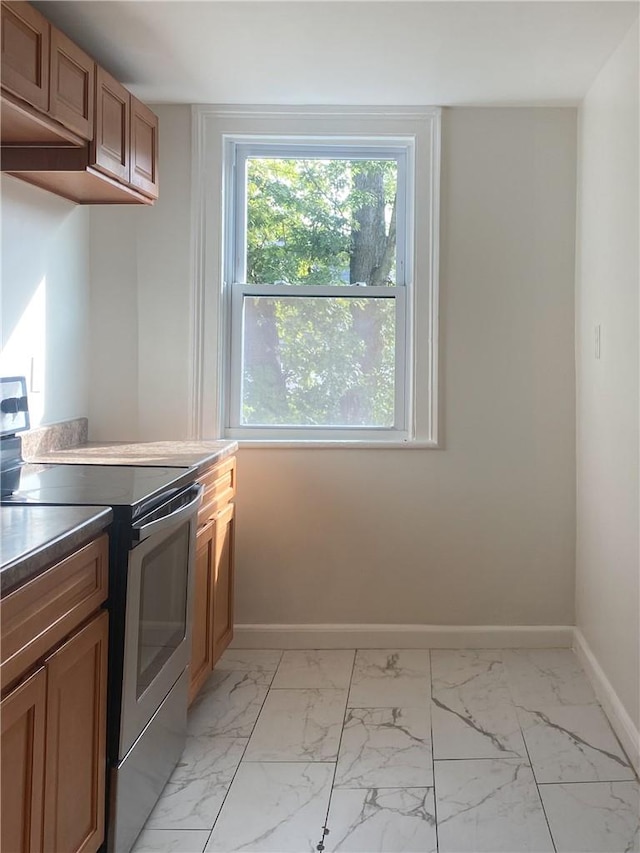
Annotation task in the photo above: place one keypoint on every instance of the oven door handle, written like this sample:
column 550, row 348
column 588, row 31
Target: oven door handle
column 141, row 531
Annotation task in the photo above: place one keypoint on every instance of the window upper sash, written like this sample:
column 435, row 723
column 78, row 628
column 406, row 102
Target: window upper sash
column 400, row 151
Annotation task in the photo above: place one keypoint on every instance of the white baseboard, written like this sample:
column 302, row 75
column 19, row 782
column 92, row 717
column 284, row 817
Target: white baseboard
column 620, row 720
column 401, row 636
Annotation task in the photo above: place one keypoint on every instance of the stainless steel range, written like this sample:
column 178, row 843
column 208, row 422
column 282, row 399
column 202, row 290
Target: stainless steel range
column 154, row 639
column 152, row 549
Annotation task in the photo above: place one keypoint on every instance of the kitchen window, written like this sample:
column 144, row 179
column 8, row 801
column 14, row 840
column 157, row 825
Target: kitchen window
column 327, row 309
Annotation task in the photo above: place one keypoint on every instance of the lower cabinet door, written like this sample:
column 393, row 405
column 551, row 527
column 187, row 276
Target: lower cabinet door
column 201, row 662
column 223, row 581
column 22, row 765
column 76, row 741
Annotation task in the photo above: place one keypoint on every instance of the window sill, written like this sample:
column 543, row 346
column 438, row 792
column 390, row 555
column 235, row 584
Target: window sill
column 302, row 444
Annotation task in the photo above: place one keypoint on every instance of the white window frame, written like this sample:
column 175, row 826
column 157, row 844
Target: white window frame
column 237, row 152
column 219, row 134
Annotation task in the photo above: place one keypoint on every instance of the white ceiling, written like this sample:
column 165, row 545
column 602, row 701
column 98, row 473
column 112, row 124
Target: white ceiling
column 362, row 52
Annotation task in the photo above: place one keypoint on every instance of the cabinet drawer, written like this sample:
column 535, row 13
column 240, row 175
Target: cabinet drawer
column 219, row 488
column 42, row 612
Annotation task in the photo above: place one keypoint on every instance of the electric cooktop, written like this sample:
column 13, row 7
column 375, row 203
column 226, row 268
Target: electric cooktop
column 130, row 490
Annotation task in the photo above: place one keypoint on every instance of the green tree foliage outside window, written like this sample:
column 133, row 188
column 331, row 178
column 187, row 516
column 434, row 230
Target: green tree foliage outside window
column 320, row 361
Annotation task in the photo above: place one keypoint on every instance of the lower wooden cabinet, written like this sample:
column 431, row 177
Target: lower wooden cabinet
column 38, row 616
column 212, row 618
column 223, row 581
column 202, row 624
column 53, row 749
column 76, row 741
column 23, row 714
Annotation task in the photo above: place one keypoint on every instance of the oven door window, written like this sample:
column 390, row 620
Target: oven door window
column 163, row 605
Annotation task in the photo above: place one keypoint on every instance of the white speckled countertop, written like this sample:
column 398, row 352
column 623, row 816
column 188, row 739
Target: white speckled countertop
column 179, row 454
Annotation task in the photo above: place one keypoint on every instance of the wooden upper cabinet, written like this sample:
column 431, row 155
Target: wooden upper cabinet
column 126, row 137
column 72, row 75
column 144, row 149
column 25, row 54
column 28, row 66
column 66, row 124
column 111, row 144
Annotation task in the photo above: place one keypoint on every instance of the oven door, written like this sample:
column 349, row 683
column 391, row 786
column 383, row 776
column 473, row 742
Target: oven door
column 158, row 603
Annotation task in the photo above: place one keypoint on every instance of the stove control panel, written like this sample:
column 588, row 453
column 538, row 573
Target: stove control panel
column 14, row 405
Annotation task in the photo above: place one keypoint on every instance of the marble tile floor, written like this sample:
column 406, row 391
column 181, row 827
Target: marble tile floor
column 407, row 751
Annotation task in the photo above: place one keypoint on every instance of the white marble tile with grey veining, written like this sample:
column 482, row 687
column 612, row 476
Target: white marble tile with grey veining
column 471, row 670
column 473, row 713
column 194, row 794
column 230, row 704
column 315, row 668
column 171, row 841
column 547, row 677
column 274, row 807
column 252, row 660
column 595, row 817
column 576, row 744
column 298, row 725
column 384, row 678
column 489, row 806
column 385, row 748
column 385, row 820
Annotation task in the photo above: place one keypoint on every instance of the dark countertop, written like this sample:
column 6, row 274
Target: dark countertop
column 35, row 537
column 179, row 454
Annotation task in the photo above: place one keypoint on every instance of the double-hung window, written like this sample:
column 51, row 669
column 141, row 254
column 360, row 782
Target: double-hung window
column 325, row 332
column 320, row 265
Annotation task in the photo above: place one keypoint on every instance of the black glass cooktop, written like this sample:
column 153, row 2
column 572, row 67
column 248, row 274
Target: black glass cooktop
column 130, row 490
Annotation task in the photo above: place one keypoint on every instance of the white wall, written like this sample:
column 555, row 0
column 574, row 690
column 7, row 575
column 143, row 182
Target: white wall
column 140, row 291
column 481, row 532
column 45, row 299
column 607, row 593
column 113, row 350
column 164, row 286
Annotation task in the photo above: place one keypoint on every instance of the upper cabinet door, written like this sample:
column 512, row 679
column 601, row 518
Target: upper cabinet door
column 110, row 148
column 25, row 54
column 144, row 149
column 72, row 85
